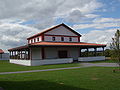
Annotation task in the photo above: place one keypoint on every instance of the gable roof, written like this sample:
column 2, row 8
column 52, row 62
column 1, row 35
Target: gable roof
column 50, row 29
column 1, row 51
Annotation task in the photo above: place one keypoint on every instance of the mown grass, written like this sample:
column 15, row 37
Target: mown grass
column 92, row 78
column 5, row 66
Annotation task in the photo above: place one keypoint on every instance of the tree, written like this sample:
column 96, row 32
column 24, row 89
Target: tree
column 115, row 48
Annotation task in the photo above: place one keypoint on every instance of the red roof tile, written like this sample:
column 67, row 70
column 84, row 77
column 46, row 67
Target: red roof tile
column 67, row 44
column 19, row 48
column 1, row 51
column 80, row 44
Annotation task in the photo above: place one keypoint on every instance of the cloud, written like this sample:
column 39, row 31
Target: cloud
column 13, row 35
column 20, row 19
column 92, row 15
column 97, row 36
column 104, row 20
column 74, row 16
column 96, row 26
column 100, row 23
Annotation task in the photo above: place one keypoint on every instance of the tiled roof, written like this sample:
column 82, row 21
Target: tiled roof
column 1, row 51
column 66, row 44
column 19, row 48
column 54, row 28
column 79, row 44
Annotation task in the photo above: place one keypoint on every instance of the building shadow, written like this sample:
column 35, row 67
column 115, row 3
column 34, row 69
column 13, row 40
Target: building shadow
column 36, row 85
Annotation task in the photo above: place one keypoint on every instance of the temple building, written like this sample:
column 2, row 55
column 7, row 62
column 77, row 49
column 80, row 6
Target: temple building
column 56, row 45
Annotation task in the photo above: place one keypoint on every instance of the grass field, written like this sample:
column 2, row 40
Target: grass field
column 5, row 66
column 92, row 78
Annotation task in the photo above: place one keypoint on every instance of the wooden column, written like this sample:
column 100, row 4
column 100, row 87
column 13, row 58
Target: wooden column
column 43, row 53
column 10, row 54
column 103, row 51
column 20, row 54
column 30, row 52
column 80, row 52
column 25, row 57
column 87, row 52
column 95, row 50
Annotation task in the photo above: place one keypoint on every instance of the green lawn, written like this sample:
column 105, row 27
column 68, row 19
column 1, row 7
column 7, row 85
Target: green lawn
column 92, row 78
column 5, row 66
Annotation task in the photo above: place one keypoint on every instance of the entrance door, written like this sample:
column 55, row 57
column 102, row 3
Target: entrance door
column 62, row 54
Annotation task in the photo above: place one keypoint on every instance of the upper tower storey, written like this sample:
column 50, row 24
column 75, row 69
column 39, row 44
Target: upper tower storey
column 59, row 33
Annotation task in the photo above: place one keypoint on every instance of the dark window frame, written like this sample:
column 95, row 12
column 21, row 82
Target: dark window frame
column 70, row 39
column 53, row 38
column 38, row 39
column 62, row 38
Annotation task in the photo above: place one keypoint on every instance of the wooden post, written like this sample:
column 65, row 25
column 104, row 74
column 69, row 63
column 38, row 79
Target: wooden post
column 20, row 54
column 43, row 53
column 25, row 55
column 10, row 54
column 95, row 49
column 103, row 51
column 87, row 52
column 80, row 53
column 30, row 54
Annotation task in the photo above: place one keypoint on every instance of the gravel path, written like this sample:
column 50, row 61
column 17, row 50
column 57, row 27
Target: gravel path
column 83, row 65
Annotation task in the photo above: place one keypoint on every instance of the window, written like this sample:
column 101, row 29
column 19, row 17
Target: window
column 70, row 39
column 38, row 39
column 62, row 38
column 53, row 38
column 31, row 41
column 34, row 39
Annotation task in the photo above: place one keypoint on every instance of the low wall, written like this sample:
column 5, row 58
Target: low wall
column 41, row 62
column 51, row 61
column 97, row 58
column 21, row 62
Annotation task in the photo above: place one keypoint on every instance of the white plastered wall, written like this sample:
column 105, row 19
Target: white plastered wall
column 52, row 52
column 36, row 53
column 58, row 39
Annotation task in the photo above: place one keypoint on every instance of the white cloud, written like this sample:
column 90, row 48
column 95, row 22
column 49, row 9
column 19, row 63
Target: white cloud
column 103, row 20
column 96, row 26
column 91, row 15
column 96, row 36
column 13, row 35
column 43, row 12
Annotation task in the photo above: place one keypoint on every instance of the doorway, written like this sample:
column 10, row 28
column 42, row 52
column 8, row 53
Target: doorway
column 62, row 54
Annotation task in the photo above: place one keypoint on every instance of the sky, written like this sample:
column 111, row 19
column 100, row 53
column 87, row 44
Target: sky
column 96, row 20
